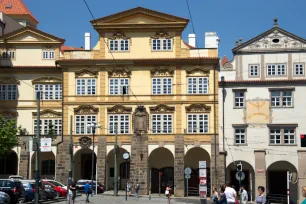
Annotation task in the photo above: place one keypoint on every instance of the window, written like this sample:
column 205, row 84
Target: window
column 119, row 84
column 197, row 85
column 8, row 54
column 282, row 136
column 239, row 98
column 162, row 86
column 48, row 54
column 119, row 45
column 281, row 98
column 122, row 122
column 8, row 92
column 161, row 123
column 161, row 44
column 197, row 123
column 49, row 91
column 240, row 136
column 299, row 69
column 81, row 122
column 49, row 126
column 86, row 86
column 254, row 70
column 276, row 69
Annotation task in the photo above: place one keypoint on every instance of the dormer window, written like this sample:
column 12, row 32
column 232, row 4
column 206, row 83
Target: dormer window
column 276, row 40
column 8, row 53
column 48, row 53
column 161, row 44
column 119, row 45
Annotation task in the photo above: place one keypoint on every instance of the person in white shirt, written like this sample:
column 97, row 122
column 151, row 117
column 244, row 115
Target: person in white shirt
column 230, row 194
column 244, row 195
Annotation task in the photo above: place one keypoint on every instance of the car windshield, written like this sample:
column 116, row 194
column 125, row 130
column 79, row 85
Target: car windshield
column 6, row 183
column 55, row 183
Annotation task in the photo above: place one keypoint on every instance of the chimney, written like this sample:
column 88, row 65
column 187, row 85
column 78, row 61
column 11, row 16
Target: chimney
column 192, row 40
column 211, row 40
column 87, row 41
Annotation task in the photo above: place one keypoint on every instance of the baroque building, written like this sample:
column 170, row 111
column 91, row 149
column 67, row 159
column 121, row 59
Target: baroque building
column 141, row 65
column 262, row 112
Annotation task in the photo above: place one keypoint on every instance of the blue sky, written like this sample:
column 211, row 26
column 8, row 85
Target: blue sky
column 231, row 19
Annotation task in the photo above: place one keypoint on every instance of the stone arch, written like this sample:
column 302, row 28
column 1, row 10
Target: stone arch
column 277, row 180
column 9, row 164
column 122, row 168
column 47, row 165
column 248, row 182
column 191, row 160
column 161, row 164
column 82, row 164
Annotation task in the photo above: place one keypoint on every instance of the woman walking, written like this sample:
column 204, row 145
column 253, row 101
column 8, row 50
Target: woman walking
column 261, row 198
column 168, row 193
column 72, row 188
column 304, row 194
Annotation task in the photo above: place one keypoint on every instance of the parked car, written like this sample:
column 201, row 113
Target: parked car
column 56, row 183
column 4, row 198
column 60, row 191
column 80, row 186
column 14, row 189
column 51, row 193
column 29, row 188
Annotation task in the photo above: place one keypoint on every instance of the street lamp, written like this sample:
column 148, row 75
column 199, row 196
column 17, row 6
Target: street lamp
column 93, row 127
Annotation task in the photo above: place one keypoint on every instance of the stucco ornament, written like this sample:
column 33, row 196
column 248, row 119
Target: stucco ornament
column 85, row 142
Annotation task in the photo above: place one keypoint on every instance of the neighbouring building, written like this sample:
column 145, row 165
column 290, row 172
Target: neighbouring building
column 262, row 112
column 141, row 68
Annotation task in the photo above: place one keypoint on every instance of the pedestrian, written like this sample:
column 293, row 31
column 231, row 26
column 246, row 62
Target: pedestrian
column 168, row 193
column 215, row 196
column 128, row 188
column 137, row 190
column 88, row 190
column 72, row 189
column 222, row 197
column 304, row 194
column 230, row 193
column 261, row 198
column 244, row 195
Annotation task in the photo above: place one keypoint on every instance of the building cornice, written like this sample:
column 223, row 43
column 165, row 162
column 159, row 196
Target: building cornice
column 263, row 82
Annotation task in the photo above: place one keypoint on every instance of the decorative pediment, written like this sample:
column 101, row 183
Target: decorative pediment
column 198, row 108
column 228, row 65
column 198, row 69
column 162, row 108
column 118, row 36
column 48, row 113
column 9, row 114
column 48, row 48
column 86, row 109
column 161, row 35
column 119, row 109
column 119, row 72
column 9, row 80
column 85, row 71
column 47, row 80
column 162, row 71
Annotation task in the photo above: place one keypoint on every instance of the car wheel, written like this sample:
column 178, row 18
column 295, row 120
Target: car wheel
column 45, row 196
column 58, row 195
column 22, row 200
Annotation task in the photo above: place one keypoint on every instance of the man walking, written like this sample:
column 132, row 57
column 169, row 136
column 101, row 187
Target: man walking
column 244, row 195
column 230, row 194
column 87, row 190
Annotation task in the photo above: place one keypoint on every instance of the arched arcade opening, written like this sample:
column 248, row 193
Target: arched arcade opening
column 9, row 164
column 82, row 167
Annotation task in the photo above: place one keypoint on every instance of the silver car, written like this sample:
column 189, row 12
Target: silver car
column 4, row 198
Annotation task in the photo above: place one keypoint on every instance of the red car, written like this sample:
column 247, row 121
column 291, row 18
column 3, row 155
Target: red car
column 60, row 192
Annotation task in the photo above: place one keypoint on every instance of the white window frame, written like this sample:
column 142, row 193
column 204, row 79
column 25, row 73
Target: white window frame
column 276, row 70
column 275, row 136
column 289, row 136
column 10, row 54
column 162, row 44
column 286, row 136
column 299, row 69
column 44, row 126
column 122, row 121
column 116, row 86
column 86, row 86
column 48, row 54
column 197, row 85
column 282, row 99
column 8, row 91
column 195, row 121
column 254, row 70
column 161, row 86
column 239, row 101
column 241, row 135
column 162, row 123
column 81, row 122
column 119, row 45
column 48, row 91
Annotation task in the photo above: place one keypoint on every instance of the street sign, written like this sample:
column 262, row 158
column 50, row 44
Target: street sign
column 202, row 164
column 203, row 181
column 187, row 171
column 202, row 172
column 187, row 176
column 203, row 191
column 240, row 176
column 45, row 144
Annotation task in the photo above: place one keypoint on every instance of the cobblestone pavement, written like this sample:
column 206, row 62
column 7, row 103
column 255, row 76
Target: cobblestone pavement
column 101, row 199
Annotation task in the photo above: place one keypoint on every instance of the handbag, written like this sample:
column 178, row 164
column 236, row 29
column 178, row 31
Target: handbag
column 167, row 192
